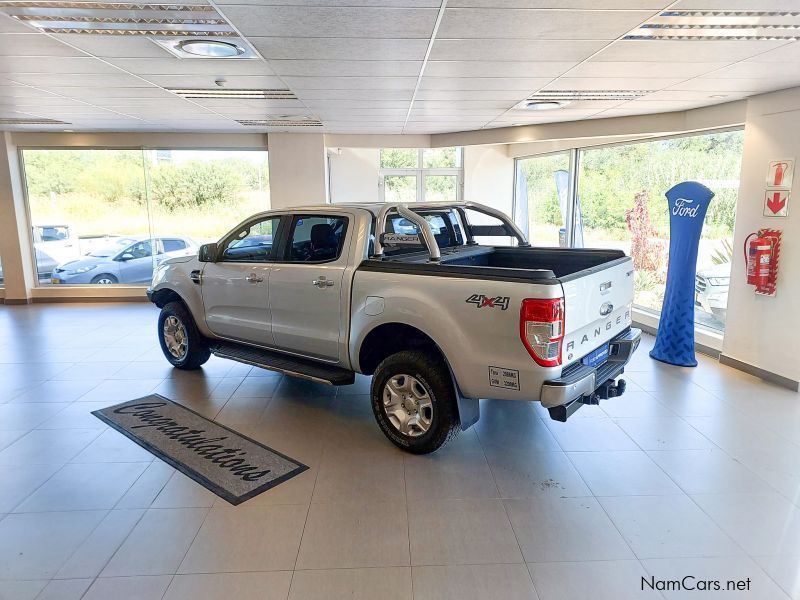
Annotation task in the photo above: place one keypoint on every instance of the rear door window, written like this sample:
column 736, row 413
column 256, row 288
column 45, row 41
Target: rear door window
column 316, row 238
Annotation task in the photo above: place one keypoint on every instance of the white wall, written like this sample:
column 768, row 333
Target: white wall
column 763, row 331
column 297, row 169
column 354, row 174
column 489, row 176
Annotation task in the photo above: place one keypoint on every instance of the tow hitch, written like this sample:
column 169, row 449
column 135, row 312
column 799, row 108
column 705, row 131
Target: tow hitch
column 609, row 389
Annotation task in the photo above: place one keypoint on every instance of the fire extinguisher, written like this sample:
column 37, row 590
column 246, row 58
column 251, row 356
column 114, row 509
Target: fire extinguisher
column 779, row 168
column 761, row 258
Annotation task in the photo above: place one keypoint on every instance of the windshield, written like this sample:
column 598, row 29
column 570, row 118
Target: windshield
column 113, row 248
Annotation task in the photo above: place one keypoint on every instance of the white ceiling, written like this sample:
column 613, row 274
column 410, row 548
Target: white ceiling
column 390, row 66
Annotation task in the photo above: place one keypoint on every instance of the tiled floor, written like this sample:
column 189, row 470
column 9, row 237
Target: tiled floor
column 693, row 472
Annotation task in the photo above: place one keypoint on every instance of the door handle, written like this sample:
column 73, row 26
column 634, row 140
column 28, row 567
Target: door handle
column 322, row 282
column 253, row 278
column 195, row 276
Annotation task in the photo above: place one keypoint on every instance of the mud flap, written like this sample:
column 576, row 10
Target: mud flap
column 469, row 409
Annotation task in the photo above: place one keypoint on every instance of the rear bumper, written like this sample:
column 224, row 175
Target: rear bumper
column 580, row 383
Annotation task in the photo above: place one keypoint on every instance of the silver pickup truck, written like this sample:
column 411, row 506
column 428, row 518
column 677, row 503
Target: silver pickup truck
column 407, row 294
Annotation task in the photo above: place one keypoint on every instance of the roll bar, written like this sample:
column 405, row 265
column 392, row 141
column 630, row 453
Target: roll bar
column 425, row 230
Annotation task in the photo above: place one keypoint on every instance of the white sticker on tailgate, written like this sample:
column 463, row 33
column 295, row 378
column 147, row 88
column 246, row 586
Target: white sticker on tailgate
column 504, row 378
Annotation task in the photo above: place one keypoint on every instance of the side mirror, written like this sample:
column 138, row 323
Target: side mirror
column 207, row 253
column 127, row 256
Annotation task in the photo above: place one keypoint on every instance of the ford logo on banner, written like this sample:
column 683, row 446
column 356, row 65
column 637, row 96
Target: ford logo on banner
column 688, row 203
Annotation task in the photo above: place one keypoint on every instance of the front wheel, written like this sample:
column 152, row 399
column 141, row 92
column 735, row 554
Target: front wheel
column 181, row 342
column 414, row 401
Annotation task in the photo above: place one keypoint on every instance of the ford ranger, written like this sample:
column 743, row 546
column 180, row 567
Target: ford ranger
column 408, row 295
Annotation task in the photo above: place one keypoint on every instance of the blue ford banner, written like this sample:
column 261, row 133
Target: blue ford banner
column 688, row 203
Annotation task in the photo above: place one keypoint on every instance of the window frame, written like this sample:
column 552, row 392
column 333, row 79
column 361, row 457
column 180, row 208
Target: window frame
column 222, row 245
column 420, row 172
column 288, row 224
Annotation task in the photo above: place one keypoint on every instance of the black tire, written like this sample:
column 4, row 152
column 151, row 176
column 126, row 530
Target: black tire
column 431, row 372
column 197, row 351
column 105, row 279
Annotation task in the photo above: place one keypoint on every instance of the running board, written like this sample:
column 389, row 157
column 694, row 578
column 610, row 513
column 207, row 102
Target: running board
column 290, row 365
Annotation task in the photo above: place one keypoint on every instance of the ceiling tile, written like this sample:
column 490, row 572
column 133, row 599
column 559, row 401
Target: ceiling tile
column 48, row 80
column 230, row 104
column 349, row 68
column 611, row 83
column 788, row 53
column 483, row 83
column 9, row 25
column 175, row 66
column 9, row 90
column 356, row 104
column 111, row 94
column 736, row 85
column 464, row 104
column 689, row 51
column 34, row 44
column 582, row 4
column 55, row 64
column 295, row 21
column 469, row 23
column 351, row 94
column 689, row 96
column 283, row 48
column 236, row 82
column 347, row 3
column 644, row 69
column 495, row 69
column 116, row 46
column 480, row 94
column 350, row 83
column 514, row 50
column 757, row 70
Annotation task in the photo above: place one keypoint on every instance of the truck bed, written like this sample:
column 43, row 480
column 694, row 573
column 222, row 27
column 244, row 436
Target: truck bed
column 539, row 265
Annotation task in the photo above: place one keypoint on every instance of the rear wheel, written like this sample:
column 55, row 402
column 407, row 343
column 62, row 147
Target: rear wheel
column 414, row 401
column 181, row 342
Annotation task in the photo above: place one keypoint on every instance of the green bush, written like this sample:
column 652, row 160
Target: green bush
column 193, row 184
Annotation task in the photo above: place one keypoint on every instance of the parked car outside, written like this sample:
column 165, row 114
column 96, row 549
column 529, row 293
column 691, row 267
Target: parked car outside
column 127, row 260
column 711, row 290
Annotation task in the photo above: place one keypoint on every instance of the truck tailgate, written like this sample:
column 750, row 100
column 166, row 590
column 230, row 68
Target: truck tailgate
column 597, row 306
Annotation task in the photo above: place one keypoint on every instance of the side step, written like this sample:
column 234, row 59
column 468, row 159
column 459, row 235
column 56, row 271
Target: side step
column 283, row 363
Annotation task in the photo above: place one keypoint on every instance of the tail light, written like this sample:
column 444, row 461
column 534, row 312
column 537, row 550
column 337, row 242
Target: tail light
column 541, row 328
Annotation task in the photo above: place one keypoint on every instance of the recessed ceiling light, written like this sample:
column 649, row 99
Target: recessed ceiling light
column 542, row 104
column 206, row 47
column 210, row 48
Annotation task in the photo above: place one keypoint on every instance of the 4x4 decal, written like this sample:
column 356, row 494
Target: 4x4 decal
column 482, row 301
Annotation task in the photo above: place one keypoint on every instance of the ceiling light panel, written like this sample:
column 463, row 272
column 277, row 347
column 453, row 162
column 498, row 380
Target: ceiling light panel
column 117, row 18
column 32, row 122
column 579, row 95
column 279, row 122
column 719, row 25
column 228, row 94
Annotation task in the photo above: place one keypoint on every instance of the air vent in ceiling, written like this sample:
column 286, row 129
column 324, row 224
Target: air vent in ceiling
column 704, row 25
column 581, row 95
column 120, row 18
column 31, row 121
column 235, row 94
column 279, row 122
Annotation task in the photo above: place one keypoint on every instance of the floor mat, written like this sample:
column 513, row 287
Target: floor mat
column 231, row 465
